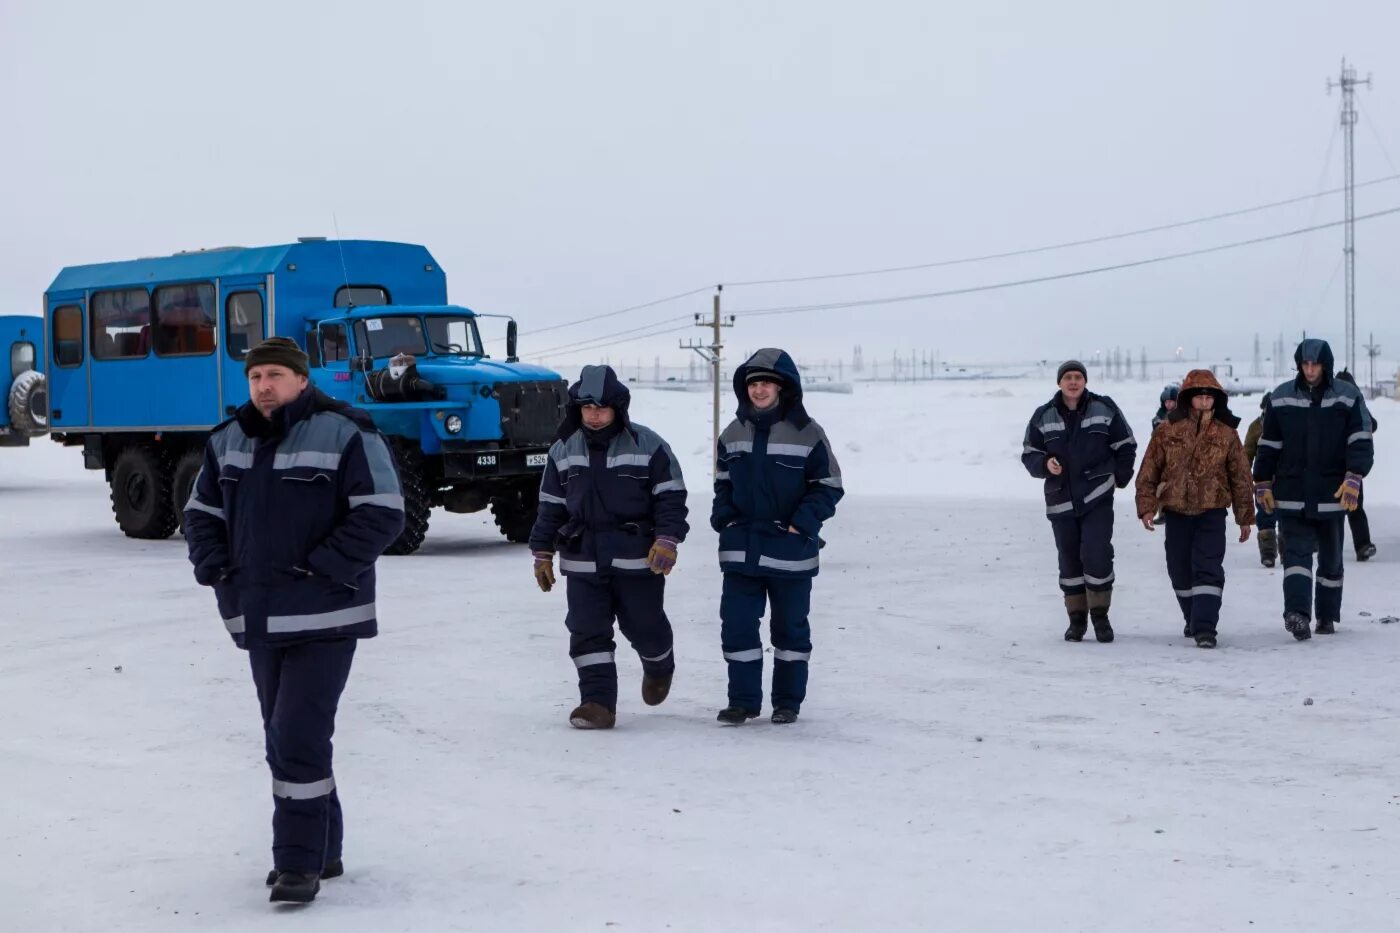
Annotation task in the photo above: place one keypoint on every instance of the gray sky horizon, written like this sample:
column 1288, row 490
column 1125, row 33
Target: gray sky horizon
column 564, row 160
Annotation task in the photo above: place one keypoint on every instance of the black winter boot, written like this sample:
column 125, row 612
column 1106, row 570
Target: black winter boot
column 1099, row 601
column 1077, row 606
column 1325, row 627
column 332, row 870
column 1297, row 623
column 295, row 888
column 1365, row 552
column 784, row 716
column 1205, row 640
column 735, row 715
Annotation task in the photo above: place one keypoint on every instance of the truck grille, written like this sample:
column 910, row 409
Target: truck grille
column 531, row 411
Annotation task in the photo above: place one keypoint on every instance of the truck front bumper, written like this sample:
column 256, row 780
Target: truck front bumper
column 482, row 463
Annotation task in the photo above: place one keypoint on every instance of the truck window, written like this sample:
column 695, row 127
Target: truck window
column 185, row 320
column 390, row 336
column 68, row 336
column 21, row 358
column 121, row 324
column 454, row 335
column 334, row 345
column 243, row 323
column 360, row 296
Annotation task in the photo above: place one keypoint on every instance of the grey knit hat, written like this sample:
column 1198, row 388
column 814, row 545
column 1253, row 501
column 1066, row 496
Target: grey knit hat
column 1071, row 366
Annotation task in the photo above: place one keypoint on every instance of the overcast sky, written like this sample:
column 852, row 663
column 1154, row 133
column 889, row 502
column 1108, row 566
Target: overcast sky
column 564, row 159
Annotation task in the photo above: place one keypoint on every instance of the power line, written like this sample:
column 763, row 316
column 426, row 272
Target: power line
column 582, row 344
column 628, row 310
column 1065, row 245
column 613, row 343
column 995, row 286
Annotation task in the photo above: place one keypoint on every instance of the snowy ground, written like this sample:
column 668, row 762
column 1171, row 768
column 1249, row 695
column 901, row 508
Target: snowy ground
column 957, row 766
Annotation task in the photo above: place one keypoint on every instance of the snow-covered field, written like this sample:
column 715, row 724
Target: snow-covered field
column 958, row 766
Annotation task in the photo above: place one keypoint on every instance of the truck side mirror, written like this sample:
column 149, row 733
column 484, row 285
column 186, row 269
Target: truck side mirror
column 511, row 355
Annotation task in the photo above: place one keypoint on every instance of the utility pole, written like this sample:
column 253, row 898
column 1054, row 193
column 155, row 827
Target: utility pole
column 711, row 355
column 1348, row 83
column 1373, row 350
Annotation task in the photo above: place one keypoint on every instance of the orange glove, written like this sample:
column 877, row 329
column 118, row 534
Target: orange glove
column 662, row 556
column 544, row 570
column 1264, row 496
column 1349, row 492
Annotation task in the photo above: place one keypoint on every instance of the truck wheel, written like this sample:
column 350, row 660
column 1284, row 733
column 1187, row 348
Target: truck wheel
column 515, row 512
column 29, row 402
column 416, row 506
column 141, row 493
column 186, row 469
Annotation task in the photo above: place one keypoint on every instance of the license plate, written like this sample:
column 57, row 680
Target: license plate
column 536, row 460
column 486, row 460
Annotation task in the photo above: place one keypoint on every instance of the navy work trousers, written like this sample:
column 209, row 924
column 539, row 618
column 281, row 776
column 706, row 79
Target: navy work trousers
column 637, row 604
column 299, row 688
column 1196, row 566
column 1085, row 546
column 1300, row 536
column 789, row 600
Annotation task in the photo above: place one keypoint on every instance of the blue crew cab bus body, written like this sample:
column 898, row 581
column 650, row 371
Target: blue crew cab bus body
column 24, row 410
column 146, row 358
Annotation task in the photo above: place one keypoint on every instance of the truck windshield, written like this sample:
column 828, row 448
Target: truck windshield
column 389, row 336
column 454, row 335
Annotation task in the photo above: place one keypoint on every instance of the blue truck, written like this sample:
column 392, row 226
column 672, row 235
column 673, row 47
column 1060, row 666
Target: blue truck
column 147, row 358
column 25, row 410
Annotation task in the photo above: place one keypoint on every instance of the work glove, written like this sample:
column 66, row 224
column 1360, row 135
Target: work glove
column 1349, row 493
column 662, row 556
column 1264, row 495
column 544, row 570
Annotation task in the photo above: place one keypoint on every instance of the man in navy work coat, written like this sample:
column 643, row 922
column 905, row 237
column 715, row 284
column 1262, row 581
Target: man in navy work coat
column 612, row 504
column 1080, row 444
column 1314, row 450
column 776, row 483
column 297, row 497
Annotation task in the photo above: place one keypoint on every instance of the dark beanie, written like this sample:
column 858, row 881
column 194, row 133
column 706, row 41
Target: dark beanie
column 280, row 351
column 1071, row 366
column 765, row 375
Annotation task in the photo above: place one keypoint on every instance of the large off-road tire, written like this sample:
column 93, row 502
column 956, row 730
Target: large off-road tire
column 29, row 403
column 142, row 498
column 182, row 485
column 515, row 510
column 416, row 503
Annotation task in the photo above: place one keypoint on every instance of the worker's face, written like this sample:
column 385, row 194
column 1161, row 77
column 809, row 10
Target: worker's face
column 1072, row 385
column 1169, row 404
column 271, row 386
column 1203, row 401
column 763, row 394
column 1312, row 372
column 597, row 417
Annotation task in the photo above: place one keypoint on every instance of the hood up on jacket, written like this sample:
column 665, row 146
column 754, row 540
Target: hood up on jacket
column 1317, row 350
column 777, row 362
column 1199, row 382
column 597, row 385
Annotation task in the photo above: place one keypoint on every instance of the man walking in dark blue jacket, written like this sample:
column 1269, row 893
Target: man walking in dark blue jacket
column 1081, row 445
column 296, row 499
column 776, row 483
column 612, row 504
column 1314, row 451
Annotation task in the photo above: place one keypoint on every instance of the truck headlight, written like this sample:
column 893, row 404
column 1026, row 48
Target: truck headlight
column 453, row 424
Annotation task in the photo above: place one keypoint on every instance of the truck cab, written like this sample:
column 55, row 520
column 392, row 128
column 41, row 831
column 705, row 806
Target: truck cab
column 25, row 411
column 148, row 359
